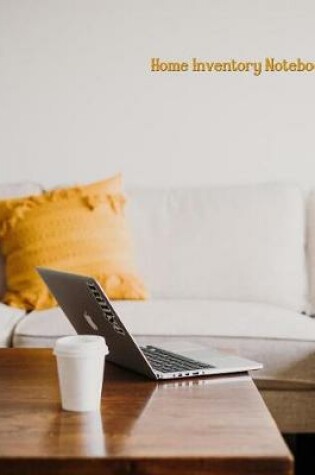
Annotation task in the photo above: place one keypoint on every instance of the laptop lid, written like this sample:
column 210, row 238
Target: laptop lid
column 90, row 312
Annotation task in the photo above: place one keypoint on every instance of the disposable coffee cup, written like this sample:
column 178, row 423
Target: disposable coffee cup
column 80, row 365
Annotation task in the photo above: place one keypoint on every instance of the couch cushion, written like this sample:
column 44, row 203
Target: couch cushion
column 283, row 340
column 183, row 317
column 8, row 319
column 238, row 243
column 11, row 191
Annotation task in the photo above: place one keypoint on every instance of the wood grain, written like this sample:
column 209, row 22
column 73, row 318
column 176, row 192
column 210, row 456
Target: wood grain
column 203, row 426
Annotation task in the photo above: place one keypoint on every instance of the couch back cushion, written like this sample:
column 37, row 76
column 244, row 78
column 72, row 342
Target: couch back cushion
column 12, row 191
column 239, row 242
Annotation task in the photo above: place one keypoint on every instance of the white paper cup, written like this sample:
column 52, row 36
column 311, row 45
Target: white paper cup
column 80, row 363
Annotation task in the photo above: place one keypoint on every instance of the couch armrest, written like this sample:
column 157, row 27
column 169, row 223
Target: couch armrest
column 9, row 317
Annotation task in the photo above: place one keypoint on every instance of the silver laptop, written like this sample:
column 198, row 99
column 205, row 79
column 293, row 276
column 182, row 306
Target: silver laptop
column 90, row 311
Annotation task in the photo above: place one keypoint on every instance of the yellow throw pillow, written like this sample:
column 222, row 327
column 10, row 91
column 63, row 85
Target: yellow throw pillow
column 79, row 229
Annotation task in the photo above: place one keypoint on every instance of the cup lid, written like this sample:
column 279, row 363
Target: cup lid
column 80, row 345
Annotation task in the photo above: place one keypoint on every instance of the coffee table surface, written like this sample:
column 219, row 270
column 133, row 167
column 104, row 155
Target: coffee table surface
column 208, row 425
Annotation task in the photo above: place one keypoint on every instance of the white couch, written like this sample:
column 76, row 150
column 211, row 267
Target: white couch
column 225, row 265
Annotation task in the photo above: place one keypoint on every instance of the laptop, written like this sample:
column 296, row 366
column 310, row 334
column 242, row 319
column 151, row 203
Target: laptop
column 90, row 312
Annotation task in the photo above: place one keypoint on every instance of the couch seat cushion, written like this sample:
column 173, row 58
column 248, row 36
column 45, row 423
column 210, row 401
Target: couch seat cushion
column 182, row 317
column 284, row 341
column 8, row 319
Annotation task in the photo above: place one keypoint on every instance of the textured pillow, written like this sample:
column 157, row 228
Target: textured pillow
column 9, row 191
column 79, row 229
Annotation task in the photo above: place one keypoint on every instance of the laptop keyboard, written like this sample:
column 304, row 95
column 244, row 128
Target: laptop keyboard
column 167, row 362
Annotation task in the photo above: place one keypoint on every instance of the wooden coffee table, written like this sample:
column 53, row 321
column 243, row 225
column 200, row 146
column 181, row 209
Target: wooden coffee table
column 204, row 426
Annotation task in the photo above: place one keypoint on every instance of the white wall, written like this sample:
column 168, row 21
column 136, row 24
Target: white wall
column 78, row 102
